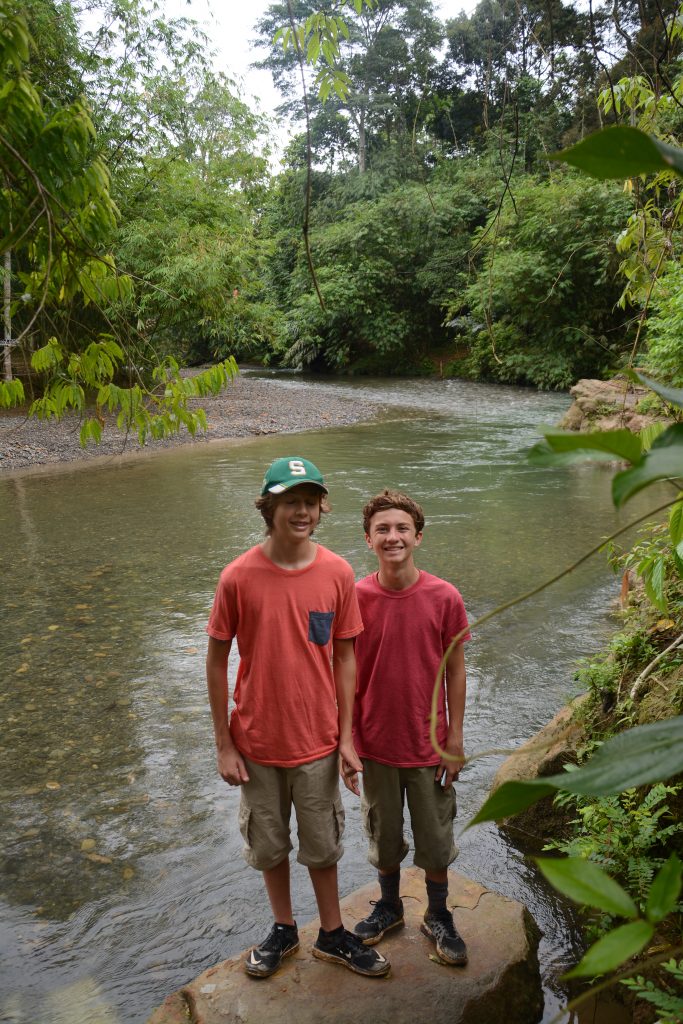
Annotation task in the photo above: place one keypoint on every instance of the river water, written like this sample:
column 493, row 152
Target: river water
column 121, row 869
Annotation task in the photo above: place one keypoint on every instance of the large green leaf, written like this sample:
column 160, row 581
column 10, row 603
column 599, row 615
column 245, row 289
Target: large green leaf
column 512, row 798
column 664, row 461
column 586, row 883
column 622, row 152
column 664, row 891
column 613, row 949
column 676, row 524
column 648, row 753
column 543, row 454
column 674, row 396
column 621, row 444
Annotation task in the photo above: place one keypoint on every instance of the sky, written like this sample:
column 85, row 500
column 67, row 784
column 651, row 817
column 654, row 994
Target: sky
column 230, row 27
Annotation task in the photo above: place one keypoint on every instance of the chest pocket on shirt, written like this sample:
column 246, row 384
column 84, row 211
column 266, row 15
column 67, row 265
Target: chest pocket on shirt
column 320, row 627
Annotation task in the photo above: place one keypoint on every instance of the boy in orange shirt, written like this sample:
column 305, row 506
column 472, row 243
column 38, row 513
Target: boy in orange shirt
column 291, row 605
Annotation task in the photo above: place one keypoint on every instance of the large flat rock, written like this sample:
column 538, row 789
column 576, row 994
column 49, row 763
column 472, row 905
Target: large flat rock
column 500, row 982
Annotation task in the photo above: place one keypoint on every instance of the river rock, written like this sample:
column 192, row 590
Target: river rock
column 544, row 754
column 607, row 405
column 500, row 982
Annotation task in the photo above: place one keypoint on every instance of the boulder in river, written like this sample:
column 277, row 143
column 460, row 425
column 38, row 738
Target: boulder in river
column 501, row 981
column 608, row 405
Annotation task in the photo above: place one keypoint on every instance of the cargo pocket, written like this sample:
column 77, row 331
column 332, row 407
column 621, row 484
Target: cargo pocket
column 339, row 819
column 244, row 822
column 320, row 627
column 368, row 816
column 370, row 826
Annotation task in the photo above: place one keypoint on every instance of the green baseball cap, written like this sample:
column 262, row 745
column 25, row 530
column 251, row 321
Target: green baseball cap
column 289, row 472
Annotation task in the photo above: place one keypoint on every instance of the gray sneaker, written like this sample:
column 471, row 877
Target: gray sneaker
column 345, row 948
column 262, row 961
column 382, row 919
column 442, row 931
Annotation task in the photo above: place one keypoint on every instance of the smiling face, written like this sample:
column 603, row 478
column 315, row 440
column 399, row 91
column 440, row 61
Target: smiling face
column 296, row 513
column 393, row 538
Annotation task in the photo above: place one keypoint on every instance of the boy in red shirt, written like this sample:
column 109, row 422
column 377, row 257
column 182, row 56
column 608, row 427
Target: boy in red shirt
column 291, row 605
column 409, row 619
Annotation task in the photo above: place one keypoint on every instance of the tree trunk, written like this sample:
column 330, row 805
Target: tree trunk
column 7, row 299
column 361, row 141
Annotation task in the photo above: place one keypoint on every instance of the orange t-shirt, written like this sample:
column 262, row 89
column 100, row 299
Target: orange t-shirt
column 285, row 621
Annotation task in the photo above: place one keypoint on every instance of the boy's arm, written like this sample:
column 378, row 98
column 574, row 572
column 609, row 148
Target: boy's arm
column 456, row 690
column 230, row 762
column 344, row 668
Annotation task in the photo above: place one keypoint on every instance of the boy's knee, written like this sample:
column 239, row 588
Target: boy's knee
column 265, row 858
column 320, row 864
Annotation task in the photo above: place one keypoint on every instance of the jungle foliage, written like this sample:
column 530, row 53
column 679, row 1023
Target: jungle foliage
column 529, row 274
column 623, row 857
column 139, row 209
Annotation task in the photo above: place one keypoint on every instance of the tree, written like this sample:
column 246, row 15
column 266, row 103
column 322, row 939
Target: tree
column 58, row 216
column 386, row 59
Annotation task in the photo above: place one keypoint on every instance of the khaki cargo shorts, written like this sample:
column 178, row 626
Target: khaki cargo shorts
column 432, row 811
column 266, row 808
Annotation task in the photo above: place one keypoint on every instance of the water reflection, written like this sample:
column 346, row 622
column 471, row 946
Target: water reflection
column 121, row 869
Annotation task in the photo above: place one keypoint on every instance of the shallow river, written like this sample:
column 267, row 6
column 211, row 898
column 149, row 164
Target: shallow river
column 121, row 869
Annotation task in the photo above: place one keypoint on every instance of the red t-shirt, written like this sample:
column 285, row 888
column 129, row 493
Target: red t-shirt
column 285, row 620
column 397, row 658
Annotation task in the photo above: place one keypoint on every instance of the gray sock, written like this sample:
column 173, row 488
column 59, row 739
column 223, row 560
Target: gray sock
column 390, row 886
column 437, row 894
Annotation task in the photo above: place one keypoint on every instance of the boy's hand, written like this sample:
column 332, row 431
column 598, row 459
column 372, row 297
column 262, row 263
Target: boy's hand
column 448, row 771
column 232, row 768
column 349, row 766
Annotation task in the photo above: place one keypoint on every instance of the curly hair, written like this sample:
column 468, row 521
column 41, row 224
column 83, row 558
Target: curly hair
column 393, row 499
column 266, row 506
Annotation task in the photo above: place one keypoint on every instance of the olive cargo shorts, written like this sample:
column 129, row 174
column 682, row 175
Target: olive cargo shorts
column 266, row 807
column 432, row 810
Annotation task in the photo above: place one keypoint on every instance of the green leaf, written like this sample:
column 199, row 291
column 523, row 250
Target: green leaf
column 664, row 461
column 586, row 883
column 648, row 753
column 655, row 579
column 674, row 396
column 664, row 891
column 620, row 443
column 676, row 524
column 11, row 393
column 48, row 356
column 613, row 949
column 543, row 454
column 622, row 152
column 512, row 798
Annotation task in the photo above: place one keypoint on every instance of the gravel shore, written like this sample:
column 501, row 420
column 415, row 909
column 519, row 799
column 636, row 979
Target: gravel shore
column 247, row 407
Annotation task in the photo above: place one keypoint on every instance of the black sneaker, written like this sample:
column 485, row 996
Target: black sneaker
column 441, row 930
column 342, row 947
column 264, row 960
column 383, row 918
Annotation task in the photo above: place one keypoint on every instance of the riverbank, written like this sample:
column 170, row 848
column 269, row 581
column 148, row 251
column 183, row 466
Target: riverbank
column 250, row 406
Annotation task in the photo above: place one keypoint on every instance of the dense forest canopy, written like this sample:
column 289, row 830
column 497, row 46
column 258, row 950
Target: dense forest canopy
column 141, row 213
